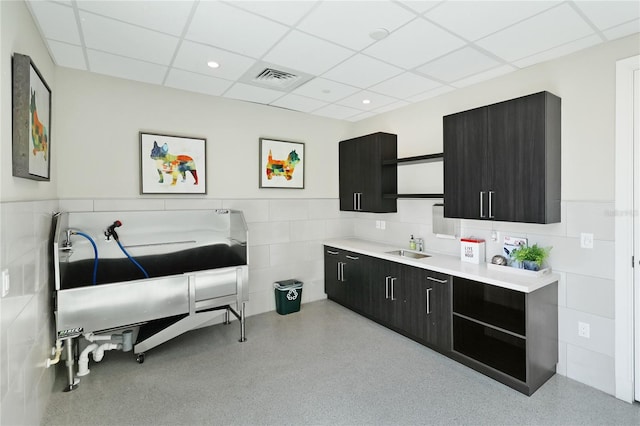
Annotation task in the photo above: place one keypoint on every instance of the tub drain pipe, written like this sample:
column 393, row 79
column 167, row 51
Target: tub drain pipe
column 125, row 344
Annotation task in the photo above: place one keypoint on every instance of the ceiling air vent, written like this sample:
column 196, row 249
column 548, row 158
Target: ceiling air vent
column 278, row 78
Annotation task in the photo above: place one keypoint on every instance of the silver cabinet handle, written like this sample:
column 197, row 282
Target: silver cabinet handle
column 338, row 265
column 482, row 204
column 386, row 287
column 332, row 252
column 491, row 204
column 342, row 271
column 429, row 301
column 437, row 280
column 355, row 201
column 393, row 287
column 352, row 257
column 359, row 198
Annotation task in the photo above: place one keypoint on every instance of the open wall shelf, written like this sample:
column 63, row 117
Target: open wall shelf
column 418, row 159
column 414, row 160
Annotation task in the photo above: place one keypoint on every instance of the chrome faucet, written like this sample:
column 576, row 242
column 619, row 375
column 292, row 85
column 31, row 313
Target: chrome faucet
column 420, row 244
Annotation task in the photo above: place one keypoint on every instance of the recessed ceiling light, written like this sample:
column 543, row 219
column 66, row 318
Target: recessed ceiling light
column 213, row 64
column 379, row 33
column 326, row 91
column 366, row 101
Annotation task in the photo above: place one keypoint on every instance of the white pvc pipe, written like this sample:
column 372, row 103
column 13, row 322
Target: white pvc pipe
column 98, row 353
column 83, row 362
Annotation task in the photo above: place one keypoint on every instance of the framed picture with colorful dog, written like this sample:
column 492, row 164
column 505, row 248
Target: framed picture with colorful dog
column 31, row 96
column 281, row 164
column 172, row 164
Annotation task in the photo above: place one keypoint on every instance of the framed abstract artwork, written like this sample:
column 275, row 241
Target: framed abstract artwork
column 31, row 142
column 281, row 164
column 172, row 164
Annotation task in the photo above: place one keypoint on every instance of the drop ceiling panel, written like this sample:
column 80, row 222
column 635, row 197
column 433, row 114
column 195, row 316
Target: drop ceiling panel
column 307, row 53
column 128, row 40
column 547, row 30
column 290, row 14
column 458, row 64
column 250, row 93
column 298, row 103
column 414, row 44
column 131, row 69
column 67, row 55
column 362, row 71
column 420, row 6
column 194, row 57
column 431, row 93
column 405, row 85
column 171, row 18
column 227, row 27
column 475, row 19
column 199, row 83
column 56, row 21
column 325, row 90
column 391, row 106
column 483, row 76
column 376, row 101
column 610, row 14
column 337, row 111
column 349, row 23
column 559, row 51
column 623, row 30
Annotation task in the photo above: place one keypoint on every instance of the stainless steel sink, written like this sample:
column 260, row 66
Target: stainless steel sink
column 407, row 253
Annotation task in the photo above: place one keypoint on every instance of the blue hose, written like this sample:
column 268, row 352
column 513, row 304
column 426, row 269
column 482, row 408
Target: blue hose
column 132, row 259
column 95, row 255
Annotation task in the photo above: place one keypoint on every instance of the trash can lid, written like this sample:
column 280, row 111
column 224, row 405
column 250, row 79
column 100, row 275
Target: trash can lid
column 293, row 283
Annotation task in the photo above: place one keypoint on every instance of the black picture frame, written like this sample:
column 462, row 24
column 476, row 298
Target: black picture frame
column 31, row 111
column 281, row 164
column 172, row 164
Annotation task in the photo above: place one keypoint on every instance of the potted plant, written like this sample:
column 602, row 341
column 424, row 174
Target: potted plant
column 530, row 257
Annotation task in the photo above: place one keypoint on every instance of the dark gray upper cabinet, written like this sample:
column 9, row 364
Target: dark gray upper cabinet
column 363, row 178
column 502, row 161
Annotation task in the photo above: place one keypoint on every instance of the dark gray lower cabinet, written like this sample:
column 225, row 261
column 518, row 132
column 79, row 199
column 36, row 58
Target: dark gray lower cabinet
column 346, row 278
column 506, row 334
column 388, row 287
column 428, row 310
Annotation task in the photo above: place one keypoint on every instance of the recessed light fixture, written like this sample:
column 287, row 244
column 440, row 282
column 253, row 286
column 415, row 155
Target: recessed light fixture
column 379, row 33
column 326, row 91
column 366, row 101
column 213, row 64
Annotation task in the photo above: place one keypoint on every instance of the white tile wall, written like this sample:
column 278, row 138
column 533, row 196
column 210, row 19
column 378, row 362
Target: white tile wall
column 25, row 312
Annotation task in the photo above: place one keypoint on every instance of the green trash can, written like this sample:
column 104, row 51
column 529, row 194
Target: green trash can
column 288, row 294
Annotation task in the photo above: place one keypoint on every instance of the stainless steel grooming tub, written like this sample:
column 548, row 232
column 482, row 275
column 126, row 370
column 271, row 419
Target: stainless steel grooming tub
column 196, row 260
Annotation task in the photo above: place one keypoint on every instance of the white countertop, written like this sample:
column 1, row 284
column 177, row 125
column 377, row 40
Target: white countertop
column 514, row 280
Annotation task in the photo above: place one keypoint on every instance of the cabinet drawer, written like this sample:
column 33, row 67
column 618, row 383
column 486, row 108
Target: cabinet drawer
column 494, row 348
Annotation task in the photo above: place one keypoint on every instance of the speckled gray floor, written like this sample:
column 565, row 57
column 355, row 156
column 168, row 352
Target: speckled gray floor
column 322, row 365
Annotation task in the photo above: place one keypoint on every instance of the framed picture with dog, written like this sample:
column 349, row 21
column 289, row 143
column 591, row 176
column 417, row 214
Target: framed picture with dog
column 31, row 98
column 281, row 164
column 172, row 164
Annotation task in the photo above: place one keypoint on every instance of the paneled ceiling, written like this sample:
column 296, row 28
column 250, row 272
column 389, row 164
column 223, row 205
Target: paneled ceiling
column 341, row 59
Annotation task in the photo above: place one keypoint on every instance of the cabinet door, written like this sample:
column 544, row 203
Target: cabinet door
column 362, row 177
column 516, row 148
column 465, row 193
column 333, row 287
column 429, row 307
column 387, row 299
column 354, row 281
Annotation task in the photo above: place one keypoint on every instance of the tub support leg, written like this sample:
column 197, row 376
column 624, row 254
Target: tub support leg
column 71, row 380
column 243, row 337
column 226, row 317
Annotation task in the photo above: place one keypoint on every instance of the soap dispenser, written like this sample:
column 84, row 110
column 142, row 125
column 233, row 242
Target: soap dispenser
column 412, row 243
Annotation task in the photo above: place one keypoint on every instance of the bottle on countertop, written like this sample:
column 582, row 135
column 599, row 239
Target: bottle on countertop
column 412, row 243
